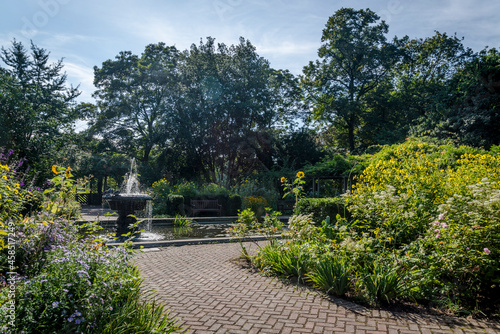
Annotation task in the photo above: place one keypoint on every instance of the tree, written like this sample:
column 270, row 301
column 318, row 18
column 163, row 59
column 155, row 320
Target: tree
column 473, row 113
column 355, row 59
column 36, row 104
column 136, row 99
column 229, row 107
column 421, row 78
column 36, row 107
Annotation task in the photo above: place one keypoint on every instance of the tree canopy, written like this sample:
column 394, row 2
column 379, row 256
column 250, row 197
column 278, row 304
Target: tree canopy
column 220, row 113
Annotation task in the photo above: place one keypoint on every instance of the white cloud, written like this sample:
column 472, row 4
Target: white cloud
column 81, row 75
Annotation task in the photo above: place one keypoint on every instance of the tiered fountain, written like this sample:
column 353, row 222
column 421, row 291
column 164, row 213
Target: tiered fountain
column 127, row 201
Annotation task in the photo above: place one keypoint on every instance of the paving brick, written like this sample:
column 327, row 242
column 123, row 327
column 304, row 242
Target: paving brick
column 208, row 292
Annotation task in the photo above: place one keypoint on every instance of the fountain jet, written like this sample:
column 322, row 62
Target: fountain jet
column 127, row 202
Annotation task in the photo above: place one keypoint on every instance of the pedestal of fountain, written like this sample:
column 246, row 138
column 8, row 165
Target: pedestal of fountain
column 126, row 206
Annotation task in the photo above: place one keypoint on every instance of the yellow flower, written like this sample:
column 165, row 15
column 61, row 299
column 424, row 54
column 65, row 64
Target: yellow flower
column 300, row 175
column 54, row 169
column 68, row 172
column 283, row 179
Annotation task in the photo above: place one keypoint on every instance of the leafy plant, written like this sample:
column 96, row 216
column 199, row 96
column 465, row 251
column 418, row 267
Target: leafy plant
column 381, row 282
column 181, row 221
column 331, row 274
column 295, row 188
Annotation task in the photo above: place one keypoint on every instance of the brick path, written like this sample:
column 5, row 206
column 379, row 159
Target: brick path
column 208, row 292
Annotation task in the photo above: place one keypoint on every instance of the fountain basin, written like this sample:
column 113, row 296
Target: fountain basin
column 127, row 203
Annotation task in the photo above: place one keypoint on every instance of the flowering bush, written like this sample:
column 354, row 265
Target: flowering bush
column 256, row 204
column 424, row 225
column 64, row 279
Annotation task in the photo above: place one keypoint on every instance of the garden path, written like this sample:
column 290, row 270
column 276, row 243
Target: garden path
column 209, row 292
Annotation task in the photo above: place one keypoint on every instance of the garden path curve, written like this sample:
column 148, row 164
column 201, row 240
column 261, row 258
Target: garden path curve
column 209, row 292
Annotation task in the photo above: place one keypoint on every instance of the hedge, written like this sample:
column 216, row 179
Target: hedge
column 179, row 205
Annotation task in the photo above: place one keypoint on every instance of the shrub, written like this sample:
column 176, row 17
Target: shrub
column 423, row 224
column 186, row 189
column 320, row 208
column 256, row 204
column 175, row 205
column 67, row 281
column 213, row 189
column 252, row 188
column 235, row 204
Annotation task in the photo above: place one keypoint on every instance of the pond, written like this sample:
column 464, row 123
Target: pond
column 169, row 232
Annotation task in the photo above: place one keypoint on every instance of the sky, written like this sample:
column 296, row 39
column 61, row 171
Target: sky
column 285, row 32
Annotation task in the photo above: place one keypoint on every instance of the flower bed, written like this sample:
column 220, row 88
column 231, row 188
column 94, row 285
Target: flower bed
column 424, row 227
column 56, row 278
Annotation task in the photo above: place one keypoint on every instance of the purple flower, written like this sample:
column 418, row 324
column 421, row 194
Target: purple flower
column 70, row 319
column 55, row 304
column 438, row 235
column 487, row 251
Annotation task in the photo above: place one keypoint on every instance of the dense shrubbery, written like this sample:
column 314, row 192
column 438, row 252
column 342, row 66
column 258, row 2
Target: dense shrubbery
column 424, row 226
column 64, row 279
column 174, row 199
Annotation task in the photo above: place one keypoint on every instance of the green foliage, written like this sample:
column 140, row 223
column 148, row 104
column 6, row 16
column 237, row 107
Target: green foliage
column 68, row 281
column 181, row 221
column 321, row 208
column 289, row 260
column 213, row 189
column 248, row 223
column 332, row 274
column 355, row 58
column 235, row 203
column 134, row 97
column 258, row 188
column 12, row 197
column 59, row 199
column 295, row 188
column 175, row 205
column 424, row 226
column 381, row 282
column 36, row 105
column 333, row 165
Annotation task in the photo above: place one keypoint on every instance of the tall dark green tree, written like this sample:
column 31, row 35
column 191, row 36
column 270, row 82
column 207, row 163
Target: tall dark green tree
column 230, row 106
column 355, row 59
column 421, row 78
column 472, row 115
column 37, row 108
column 136, row 99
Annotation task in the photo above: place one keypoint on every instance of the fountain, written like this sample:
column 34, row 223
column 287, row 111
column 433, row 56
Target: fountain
column 127, row 201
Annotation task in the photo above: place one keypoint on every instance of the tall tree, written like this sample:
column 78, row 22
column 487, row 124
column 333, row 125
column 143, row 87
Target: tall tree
column 356, row 57
column 36, row 106
column 421, row 77
column 136, row 97
column 472, row 115
column 229, row 106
